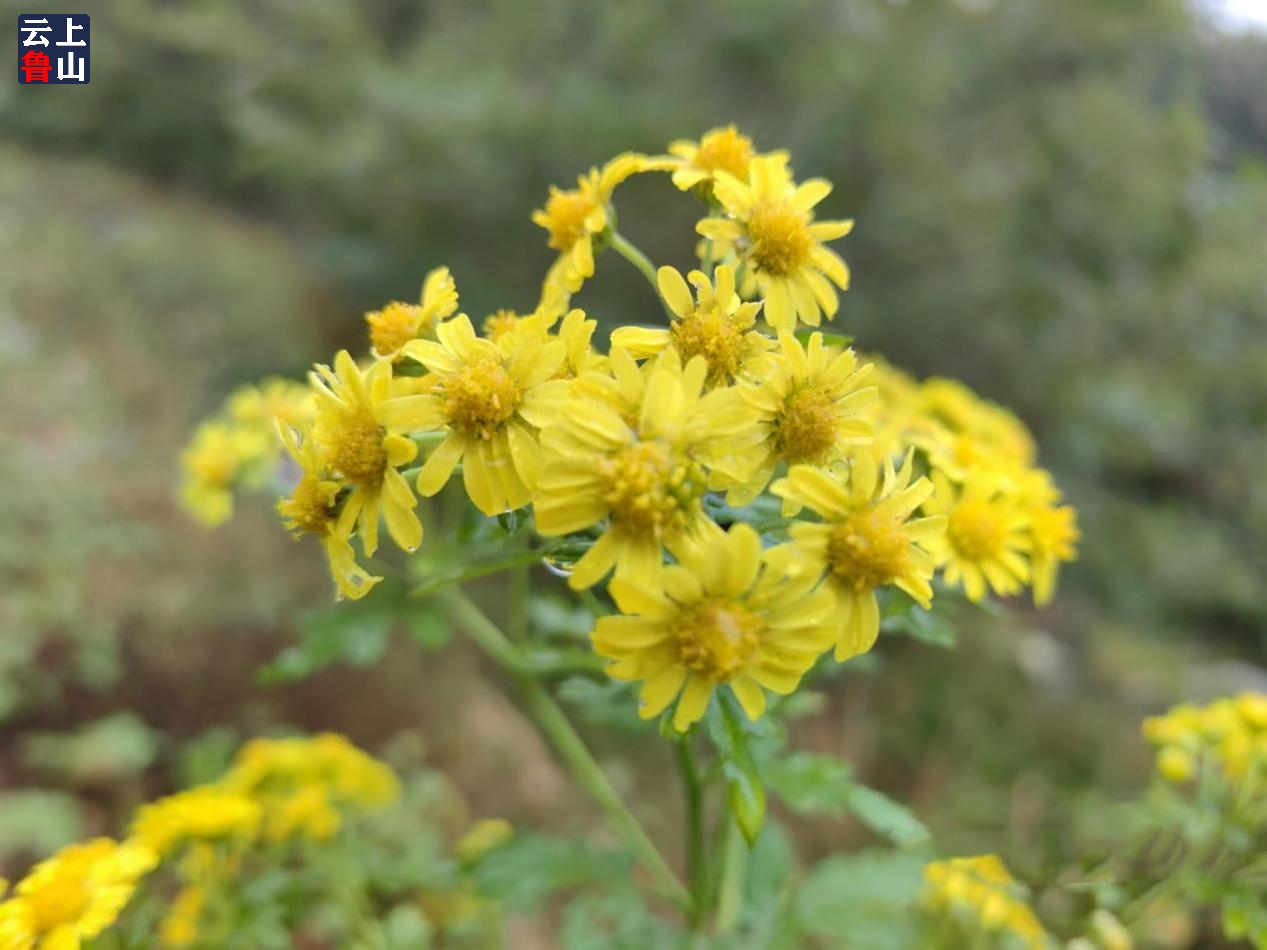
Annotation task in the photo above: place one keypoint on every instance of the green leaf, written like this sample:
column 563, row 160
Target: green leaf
column 865, row 898
column 355, row 633
column 927, row 626
column 605, row 702
column 619, row 920
column 429, row 628
column 746, row 791
column 812, row 784
column 531, row 868
column 885, row 817
column 105, row 750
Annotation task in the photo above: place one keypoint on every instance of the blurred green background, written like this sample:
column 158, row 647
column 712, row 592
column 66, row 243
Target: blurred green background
column 1063, row 204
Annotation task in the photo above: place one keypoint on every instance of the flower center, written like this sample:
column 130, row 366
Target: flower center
column 780, row 238
column 310, row 508
column 566, row 212
column 725, row 150
column 716, row 640
column 480, row 397
column 976, row 531
column 358, row 450
column 650, row 491
column 709, row 334
column 868, row 549
column 808, row 427
column 394, row 326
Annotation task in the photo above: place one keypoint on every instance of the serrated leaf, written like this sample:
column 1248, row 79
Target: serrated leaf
column 533, row 867
column 354, row 633
column 927, row 626
column 865, row 898
column 885, row 817
column 811, row 784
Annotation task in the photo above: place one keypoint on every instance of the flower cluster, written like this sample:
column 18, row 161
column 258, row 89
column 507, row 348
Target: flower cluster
column 238, row 447
column 276, row 791
column 753, row 491
column 1227, row 737
column 976, row 902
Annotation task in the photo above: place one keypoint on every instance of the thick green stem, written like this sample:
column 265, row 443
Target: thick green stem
column 696, row 858
column 567, row 743
column 634, row 256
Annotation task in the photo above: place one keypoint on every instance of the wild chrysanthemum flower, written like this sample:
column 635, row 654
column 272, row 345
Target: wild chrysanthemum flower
column 208, row 813
column 772, row 228
column 1053, row 531
column 357, row 442
column 867, row 540
column 312, row 509
column 810, row 410
column 272, row 401
column 720, row 150
column 492, row 400
column 715, row 325
column 305, row 813
column 638, row 463
column 278, row 767
column 576, row 216
column 218, row 458
column 179, row 927
column 729, row 615
column 976, row 897
column 398, row 323
column 986, row 537
column 74, row 895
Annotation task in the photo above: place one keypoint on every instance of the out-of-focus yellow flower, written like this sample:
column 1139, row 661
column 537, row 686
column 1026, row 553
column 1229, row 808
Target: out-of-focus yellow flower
column 714, row 324
column 216, row 460
column 1053, row 534
column 1226, row 737
column 483, row 837
column 398, row 323
column 771, row 227
column 74, row 895
column 1175, row 765
column 273, row 401
column 977, row 897
column 207, row 813
column 867, row 540
column 357, row 442
column 729, row 615
column 267, row 767
column 986, row 538
column 643, row 473
column 810, row 411
column 490, row 400
column 307, row 812
column 575, row 217
column 179, row 927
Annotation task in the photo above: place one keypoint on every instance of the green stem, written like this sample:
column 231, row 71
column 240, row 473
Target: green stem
column 567, row 743
column 634, row 256
column 696, row 859
column 734, row 865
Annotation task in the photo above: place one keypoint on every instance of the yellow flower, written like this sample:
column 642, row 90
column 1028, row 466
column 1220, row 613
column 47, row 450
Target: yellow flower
column 269, row 767
column 500, row 323
column 1175, row 765
column 215, row 461
column 716, row 326
column 492, row 400
column 771, row 226
column 356, row 442
column 728, row 615
column 1053, row 533
column 306, row 812
column 986, row 536
column 720, row 150
column 644, row 474
column 207, row 813
column 398, row 323
column 272, row 401
column 810, row 411
column 576, row 216
column 312, row 509
column 980, row 890
column 867, row 540
column 179, row 928
column 74, row 895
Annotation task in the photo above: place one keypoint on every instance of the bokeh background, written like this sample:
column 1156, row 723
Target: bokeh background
column 1062, row 203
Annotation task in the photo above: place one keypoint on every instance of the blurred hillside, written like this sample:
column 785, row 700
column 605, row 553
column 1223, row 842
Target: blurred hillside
column 1061, row 203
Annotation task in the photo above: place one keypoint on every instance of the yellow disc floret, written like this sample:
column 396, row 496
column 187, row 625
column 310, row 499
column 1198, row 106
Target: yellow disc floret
column 716, row 640
column 480, row 397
